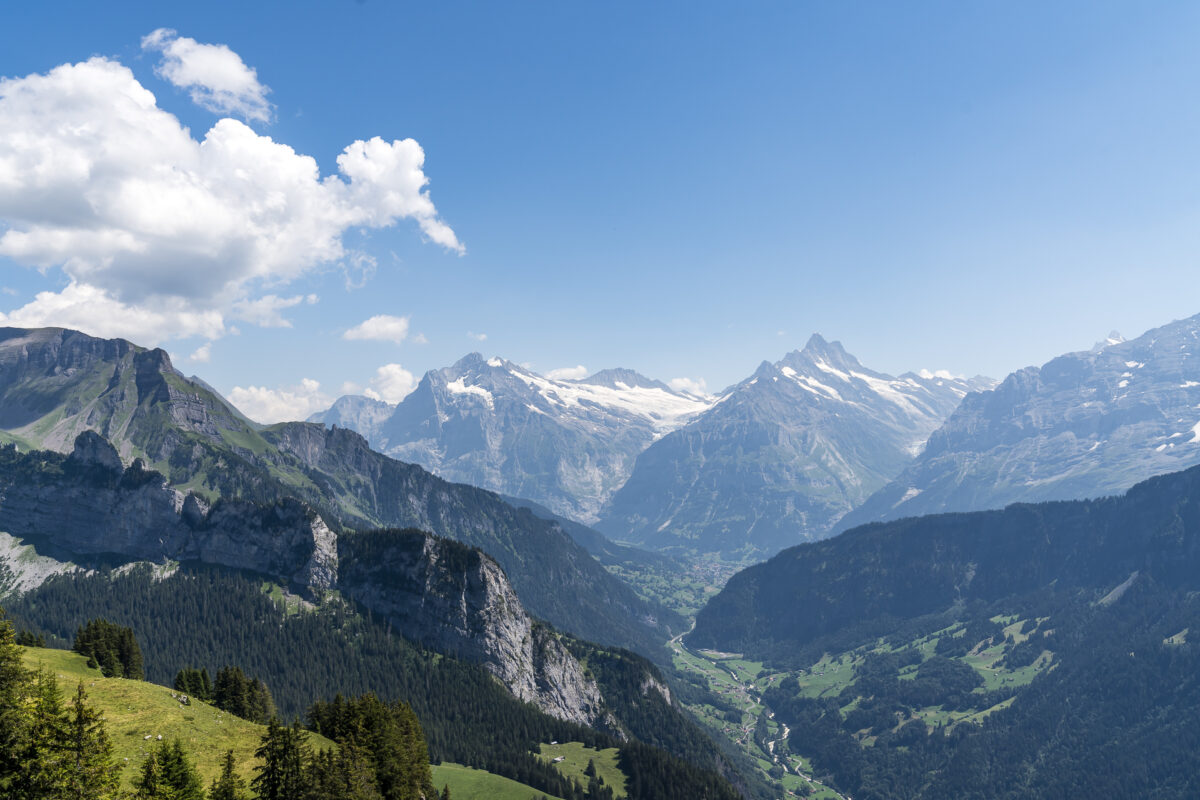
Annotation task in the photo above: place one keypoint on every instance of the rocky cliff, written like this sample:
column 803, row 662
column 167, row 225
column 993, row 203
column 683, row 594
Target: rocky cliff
column 457, row 600
column 445, row 595
column 89, row 504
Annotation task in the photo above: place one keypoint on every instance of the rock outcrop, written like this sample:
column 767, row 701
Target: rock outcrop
column 455, row 599
column 90, row 504
column 445, row 595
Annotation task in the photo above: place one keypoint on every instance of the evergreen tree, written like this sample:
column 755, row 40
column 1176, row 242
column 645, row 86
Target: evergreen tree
column 15, row 683
column 229, row 786
column 90, row 771
column 281, row 774
column 111, row 648
column 45, row 769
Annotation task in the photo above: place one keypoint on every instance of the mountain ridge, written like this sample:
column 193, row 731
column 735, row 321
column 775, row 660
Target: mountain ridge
column 1084, row 424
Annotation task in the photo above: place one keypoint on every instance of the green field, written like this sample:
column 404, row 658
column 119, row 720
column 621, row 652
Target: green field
column 467, row 783
column 575, row 757
column 137, row 713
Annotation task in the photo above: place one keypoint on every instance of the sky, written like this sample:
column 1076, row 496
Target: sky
column 299, row 200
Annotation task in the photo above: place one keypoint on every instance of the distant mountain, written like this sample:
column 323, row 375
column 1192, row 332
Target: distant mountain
column 566, row 444
column 1083, row 425
column 954, row 613
column 56, row 384
column 781, row 456
column 356, row 412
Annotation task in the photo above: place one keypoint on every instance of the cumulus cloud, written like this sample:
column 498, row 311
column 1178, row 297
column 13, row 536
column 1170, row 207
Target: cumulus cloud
column 267, row 311
column 90, row 309
column 97, row 180
column 280, row 405
column 568, row 373
column 420, row 338
column 479, row 337
column 698, row 387
column 391, row 384
column 203, row 354
column 216, row 77
column 380, row 328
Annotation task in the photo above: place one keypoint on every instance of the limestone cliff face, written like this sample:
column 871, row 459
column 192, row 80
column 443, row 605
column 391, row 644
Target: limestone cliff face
column 457, row 600
column 92, row 505
column 450, row 597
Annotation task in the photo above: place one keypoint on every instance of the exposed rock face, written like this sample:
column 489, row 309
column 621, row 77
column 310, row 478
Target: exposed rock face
column 781, row 457
column 56, row 383
column 457, row 600
column 445, row 595
column 1083, row 425
column 94, row 506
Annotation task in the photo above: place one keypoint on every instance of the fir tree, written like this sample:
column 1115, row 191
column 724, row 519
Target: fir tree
column 91, row 774
column 281, row 774
column 14, row 723
column 229, row 786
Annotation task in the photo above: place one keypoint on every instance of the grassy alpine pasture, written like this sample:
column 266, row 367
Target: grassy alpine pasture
column 468, row 783
column 575, row 757
column 137, row 713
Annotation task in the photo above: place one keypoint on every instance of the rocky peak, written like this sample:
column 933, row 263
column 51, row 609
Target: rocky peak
column 92, row 449
column 628, row 377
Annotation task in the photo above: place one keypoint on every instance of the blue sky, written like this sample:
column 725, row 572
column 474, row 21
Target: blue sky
column 684, row 189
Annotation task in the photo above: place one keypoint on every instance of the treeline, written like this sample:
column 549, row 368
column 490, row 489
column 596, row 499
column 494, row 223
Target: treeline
column 206, row 617
column 110, row 647
column 233, row 692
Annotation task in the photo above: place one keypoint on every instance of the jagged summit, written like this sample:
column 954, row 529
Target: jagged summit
column 1113, row 338
column 1082, row 425
column 624, row 378
column 780, row 456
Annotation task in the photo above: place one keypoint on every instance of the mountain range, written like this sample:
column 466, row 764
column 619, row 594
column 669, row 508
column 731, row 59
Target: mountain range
column 56, row 384
column 1085, row 424
column 567, row 444
column 771, row 461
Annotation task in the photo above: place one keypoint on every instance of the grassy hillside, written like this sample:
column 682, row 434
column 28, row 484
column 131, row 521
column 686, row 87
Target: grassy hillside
column 467, row 783
column 136, row 713
column 575, row 758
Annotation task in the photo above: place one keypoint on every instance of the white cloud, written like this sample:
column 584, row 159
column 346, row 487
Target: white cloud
column 698, row 387
column 97, row 180
column 350, row 387
column 358, row 269
column 380, row 328
column 568, row 373
column 216, row 76
column 94, row 311
column 203, row 354
column 280, row 405
column 479, row 337
column 391, row 384
column 420, row 338
column 265, row 311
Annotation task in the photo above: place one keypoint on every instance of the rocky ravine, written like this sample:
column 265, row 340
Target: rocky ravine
column 445, row 595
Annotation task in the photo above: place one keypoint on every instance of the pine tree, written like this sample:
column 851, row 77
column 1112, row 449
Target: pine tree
column 15, row 683
column 91, row 774
column 281, row 774
column 45, row 768
column 229, row 786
